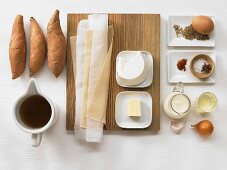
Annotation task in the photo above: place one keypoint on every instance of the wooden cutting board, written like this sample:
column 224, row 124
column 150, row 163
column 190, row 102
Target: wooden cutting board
column 131, row 32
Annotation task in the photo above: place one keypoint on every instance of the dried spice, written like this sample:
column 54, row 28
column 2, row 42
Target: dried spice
column 198, row 65
column 189, row 33
column 206, row 68
column 181, row 64
column 178, row 30
column 201, row 66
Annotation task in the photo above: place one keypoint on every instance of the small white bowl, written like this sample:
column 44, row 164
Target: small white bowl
column 148, row 60
column 121, row 112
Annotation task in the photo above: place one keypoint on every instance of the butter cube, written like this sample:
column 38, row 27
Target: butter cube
column 134, row 108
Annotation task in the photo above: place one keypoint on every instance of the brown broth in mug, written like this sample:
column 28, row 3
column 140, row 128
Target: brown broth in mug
column 35, row 111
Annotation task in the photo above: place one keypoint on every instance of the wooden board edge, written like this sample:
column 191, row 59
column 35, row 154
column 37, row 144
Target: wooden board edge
column 156, row 128
column 70, row 90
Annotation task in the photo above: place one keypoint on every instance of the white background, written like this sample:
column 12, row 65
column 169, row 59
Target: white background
column 125, row 150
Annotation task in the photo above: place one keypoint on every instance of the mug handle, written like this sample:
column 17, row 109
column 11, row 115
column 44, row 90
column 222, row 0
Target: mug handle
column 36, row 139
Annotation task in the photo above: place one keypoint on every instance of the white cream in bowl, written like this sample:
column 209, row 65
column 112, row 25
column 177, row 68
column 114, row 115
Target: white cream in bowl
column 131, row 68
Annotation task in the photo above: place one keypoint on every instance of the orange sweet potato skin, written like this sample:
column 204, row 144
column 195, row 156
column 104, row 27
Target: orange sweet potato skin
column 56, row 44
column 38, row 47
column 17, row 48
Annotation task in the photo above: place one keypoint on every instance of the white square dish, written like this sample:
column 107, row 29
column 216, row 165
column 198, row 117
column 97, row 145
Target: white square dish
column 147, row 58
column 121, row 116
column 175, row 75
column 184, row 21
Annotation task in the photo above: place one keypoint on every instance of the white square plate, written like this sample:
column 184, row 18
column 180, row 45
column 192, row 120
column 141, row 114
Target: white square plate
column 121, row 110
column 147, row 58
column 175, row 75
column 184, row 21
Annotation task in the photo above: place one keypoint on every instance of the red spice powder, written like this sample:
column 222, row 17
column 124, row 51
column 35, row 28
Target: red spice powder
column 181, row 65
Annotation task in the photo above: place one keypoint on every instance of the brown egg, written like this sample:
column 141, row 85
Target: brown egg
column 203, row 24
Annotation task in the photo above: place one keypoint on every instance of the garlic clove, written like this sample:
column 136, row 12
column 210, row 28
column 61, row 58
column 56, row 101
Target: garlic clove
column 177, row 126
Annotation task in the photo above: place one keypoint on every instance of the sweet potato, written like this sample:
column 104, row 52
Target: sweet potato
column 56, row 45
column 17, row 48
column 38, row 47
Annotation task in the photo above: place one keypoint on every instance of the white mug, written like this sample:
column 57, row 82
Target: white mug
column 36, row 133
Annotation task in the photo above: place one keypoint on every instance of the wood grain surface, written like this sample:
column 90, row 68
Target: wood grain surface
column 131, row 32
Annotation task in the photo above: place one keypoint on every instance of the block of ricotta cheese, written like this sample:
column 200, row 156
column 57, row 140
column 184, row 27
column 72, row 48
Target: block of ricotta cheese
column 134, row 71
column 134, row 107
